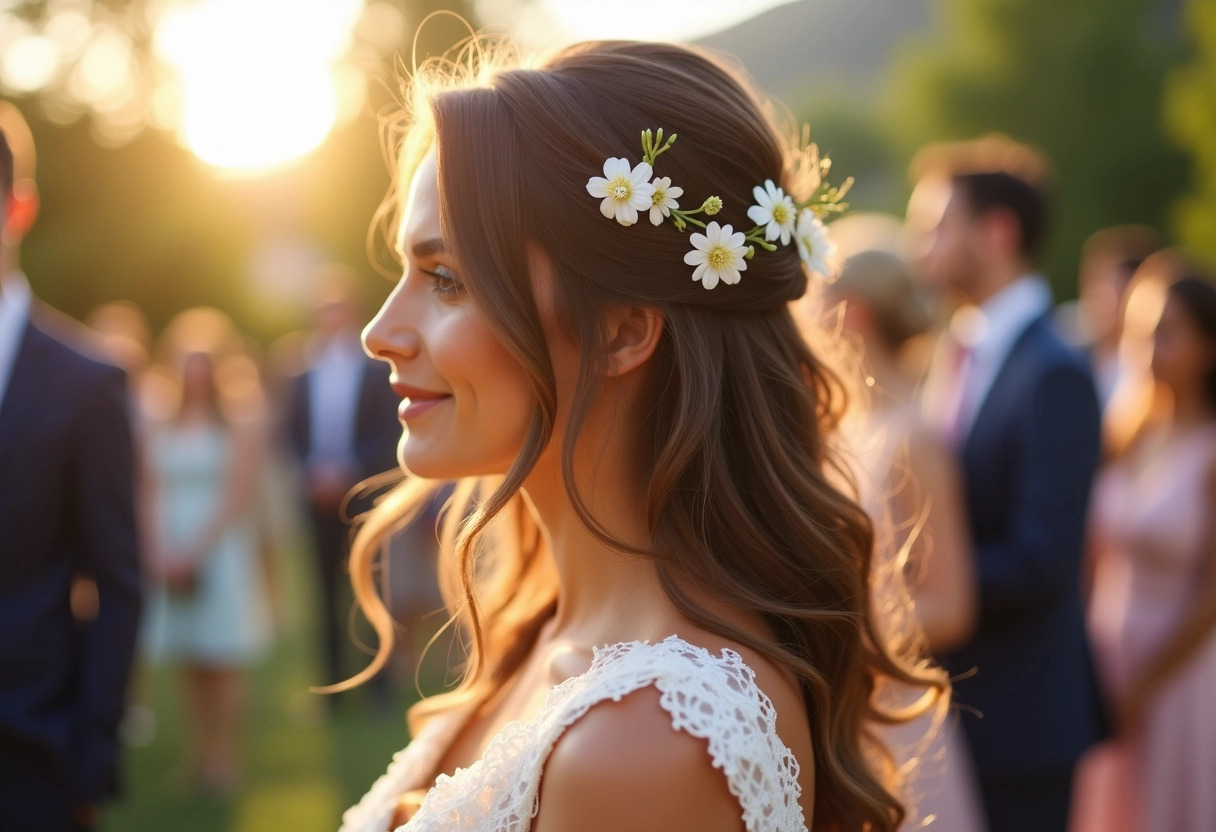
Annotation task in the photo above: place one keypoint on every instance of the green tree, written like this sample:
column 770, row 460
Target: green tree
column 1190, row 110
column 1081, row 80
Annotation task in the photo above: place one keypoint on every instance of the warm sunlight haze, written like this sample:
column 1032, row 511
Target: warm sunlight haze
column 258, row 84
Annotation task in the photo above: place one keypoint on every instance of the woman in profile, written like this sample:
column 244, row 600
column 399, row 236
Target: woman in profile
column 910, row 485
column 1152, row 609
column 652, row 551
column 206, row 608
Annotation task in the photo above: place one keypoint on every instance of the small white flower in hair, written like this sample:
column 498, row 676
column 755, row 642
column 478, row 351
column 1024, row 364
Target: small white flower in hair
column 718, row 255
column 624, row 192
column 815, row 247
column 663, row 199
column 774, row 210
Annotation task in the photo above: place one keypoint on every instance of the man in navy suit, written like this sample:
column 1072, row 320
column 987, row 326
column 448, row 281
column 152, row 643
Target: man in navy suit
column 343, row 429
column 66, row 510
column 1020, row 408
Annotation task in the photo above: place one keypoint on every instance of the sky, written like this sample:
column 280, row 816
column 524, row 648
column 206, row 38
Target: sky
column 555, row 21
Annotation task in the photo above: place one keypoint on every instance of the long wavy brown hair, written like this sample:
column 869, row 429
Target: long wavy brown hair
column 745, row 495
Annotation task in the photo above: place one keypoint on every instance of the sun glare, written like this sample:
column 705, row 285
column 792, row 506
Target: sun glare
column 257, row 79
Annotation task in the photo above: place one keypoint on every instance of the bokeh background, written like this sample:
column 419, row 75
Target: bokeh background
column 216, row 153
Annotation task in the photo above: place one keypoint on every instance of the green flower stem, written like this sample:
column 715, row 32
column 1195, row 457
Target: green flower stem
column 682, row 218
column 756, row 236
column 653, row 145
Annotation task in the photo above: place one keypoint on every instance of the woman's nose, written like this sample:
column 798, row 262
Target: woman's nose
column 392, row 334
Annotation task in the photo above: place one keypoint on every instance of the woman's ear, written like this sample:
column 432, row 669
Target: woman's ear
column 633, row 335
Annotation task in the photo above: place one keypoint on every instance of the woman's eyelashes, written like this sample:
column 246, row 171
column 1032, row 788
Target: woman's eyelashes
column 444, row 282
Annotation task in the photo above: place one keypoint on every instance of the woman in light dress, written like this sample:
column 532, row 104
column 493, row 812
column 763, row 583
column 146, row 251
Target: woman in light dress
column 662, row 581
column 911, row 487
column 207, row 610
column 1152, row 610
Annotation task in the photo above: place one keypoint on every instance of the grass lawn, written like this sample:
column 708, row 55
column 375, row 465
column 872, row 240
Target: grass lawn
column 303, row 768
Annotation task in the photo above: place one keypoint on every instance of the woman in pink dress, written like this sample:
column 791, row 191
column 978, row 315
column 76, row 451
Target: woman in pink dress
column 1152, row 612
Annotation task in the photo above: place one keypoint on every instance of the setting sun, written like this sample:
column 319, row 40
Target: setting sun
column 257, row 83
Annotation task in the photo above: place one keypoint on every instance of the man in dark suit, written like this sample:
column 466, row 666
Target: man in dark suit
column 343, row 429
column 1020, row 408
column 66, row 510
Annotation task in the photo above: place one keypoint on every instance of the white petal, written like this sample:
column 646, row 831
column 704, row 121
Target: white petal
column 762, row 198
column 611, row 167
column 626, row 214
column 774, row 193
column 656, row 215
column 597, row 186
column 641, row 174
column 641, row 196
column 696, row 257
column 709, row 279
column 699, row 271
column 674, row 191
column 740, row 262
column 736, row 240
column 608, row 207
column 730, row 276
column 700, row 240
column 785, row 235
column 772, row 231
column 759, row 214
column 661, row 182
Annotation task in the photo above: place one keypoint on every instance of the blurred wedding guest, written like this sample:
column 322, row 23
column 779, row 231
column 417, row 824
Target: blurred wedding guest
column 1019, row 408
column 912, row 489
column 342, row 426
column 1094, row 322
column 66, row 510
column 1152, row 609
column 207, row 612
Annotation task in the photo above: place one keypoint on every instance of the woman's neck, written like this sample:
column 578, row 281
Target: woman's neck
column 1191, row 409
column 604, row 595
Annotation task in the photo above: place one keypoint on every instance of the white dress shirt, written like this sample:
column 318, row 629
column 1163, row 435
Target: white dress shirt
column 15, row 301
column 989, row 333
column 333, row 400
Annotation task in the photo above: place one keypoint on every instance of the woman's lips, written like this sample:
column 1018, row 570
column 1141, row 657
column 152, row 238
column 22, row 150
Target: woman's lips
column 412, row 408
column 416, row 400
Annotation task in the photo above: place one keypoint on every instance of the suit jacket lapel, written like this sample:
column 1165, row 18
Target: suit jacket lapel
column 995, row 395
column 29, row 376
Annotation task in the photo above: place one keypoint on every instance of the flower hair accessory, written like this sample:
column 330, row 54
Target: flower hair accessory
column 721, row 253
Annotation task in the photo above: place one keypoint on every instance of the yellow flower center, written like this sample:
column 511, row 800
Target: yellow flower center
column 719, row 257
column 658, row 196
column 781, row 213
column 621, row 188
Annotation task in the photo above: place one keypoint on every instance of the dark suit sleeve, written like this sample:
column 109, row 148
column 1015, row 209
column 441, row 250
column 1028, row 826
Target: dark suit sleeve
column 110, row 555
column 1057, row 445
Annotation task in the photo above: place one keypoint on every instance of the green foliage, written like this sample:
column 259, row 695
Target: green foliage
column 1190, row 110
column 1081, row 80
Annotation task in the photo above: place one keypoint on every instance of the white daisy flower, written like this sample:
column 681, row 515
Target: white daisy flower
column 624, row 191
column 774, row 210
column 663, row 199
column 718, row 255
column 815, row 247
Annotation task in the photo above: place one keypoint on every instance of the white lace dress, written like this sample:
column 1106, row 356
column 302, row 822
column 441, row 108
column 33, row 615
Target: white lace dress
column 711, row 697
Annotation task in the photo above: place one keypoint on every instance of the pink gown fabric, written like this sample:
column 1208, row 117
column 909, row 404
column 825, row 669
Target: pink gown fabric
column 1150, row 522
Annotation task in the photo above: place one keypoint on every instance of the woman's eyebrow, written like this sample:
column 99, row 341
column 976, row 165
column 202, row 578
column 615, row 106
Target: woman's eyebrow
column 425, row 248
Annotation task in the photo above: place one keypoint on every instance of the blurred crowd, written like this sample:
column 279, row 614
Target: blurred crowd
column 1045, row 474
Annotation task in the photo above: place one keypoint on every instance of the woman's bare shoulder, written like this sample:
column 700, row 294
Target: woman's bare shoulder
column 624, row 766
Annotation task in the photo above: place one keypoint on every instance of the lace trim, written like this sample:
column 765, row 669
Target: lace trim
column 712, row 698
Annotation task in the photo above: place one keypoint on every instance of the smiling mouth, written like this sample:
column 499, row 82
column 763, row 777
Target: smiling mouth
column 413, row 407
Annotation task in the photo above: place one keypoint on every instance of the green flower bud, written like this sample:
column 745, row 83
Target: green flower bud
column 712, row 205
